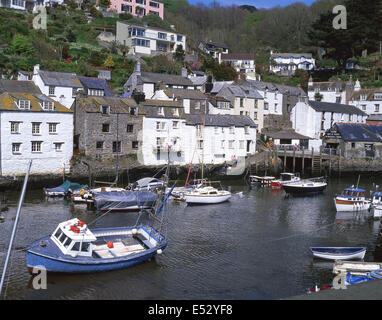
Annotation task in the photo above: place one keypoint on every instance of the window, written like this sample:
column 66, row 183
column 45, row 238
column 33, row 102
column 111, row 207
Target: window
column 134, row 144
column 16, row 148
column 133, row 111
column 179, row 38
column 141, row 42
column 266, row 106
column 241, row 144
column 232, row 130
column 52, row 128
column 378, row 96
column 176, row 112
column 15, row 127
column 48, row 105
column 276, row 105
column 130, row 128
column 99, row 145
column 197, row 105
column 58, row 146
column 241, row 103
column 246, row 129
column 255, row 115
column 376, row 109
column 231, row 144
column 105, row 110
column 200, row 144
column 222, row 144
column 36, row 146
column 126, row 8
column 338, row 99
column 353, row 145
column 154, row 4
column 116, row 146
column 24, row 104
column 19, row 3
column 74, row 92
column 162, row 35
column 105, row 127
column 36, row 126
column 96, row 92
column 175, row 124
column 52, row 90
column 161, row 126
column 363, row 107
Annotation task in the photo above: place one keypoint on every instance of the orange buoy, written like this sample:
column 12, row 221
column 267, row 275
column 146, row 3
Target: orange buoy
column 110, row 244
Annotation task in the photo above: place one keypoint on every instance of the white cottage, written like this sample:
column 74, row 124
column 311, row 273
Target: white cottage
column 34, row 126
column 60, row 86
column 368, row 101
column 314, row 118
column 289, row 63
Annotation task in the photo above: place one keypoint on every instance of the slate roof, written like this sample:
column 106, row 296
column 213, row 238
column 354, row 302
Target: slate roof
column 150, row 108
column 325, row 86
column 91, row 104
column 294, row 55
column 96, row 83
column 368, row 92
column 244, row 92
column 171, row 79
column 18, row 86
column 273, row 87
column 8, row 102
column 287, row 134
column 335, row 107
column 60, row 79
column 185, row 94
column 360, row 132
column 220, row 120
column 216, row 44
column 374, row 117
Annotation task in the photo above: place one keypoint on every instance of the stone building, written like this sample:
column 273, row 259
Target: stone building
column 106, row 126
column 354, row 140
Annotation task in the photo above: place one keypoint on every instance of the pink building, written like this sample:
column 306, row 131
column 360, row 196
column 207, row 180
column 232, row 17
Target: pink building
column 137, row 8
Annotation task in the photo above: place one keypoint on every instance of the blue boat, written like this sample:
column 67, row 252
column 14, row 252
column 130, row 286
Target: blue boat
column 74, row 248
column 63, row 189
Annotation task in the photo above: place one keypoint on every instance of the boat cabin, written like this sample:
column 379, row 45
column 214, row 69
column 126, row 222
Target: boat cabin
column 74, row 238
column 354, row 193
column 377, row 198
column 289, row 177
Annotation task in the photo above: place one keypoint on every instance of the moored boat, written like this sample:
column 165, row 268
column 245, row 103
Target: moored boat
column 339, row 253
column 284, row 179
column 207, row 195
column 305, row 187
column 74, row 248
column 62, row 190
column 264, row 181
column 376, row 205
column 352, row 199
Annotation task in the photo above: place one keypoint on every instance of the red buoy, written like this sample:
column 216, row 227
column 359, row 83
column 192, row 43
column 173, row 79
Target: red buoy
column 110, row 244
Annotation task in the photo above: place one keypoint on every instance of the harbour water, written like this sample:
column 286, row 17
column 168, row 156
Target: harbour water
column 256, row 246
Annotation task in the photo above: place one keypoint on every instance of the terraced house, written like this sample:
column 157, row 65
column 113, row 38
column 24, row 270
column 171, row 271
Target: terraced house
column 34, row 127
column 138, row 8
column 105, row 127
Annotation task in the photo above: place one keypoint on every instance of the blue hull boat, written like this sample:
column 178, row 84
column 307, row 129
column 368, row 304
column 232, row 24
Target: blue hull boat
column 339, row 253
column 100, row 250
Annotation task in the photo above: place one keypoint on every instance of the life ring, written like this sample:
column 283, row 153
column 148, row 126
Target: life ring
column 82, row 192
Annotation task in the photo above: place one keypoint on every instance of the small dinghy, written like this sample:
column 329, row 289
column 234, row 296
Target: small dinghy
column 339, row 253
column 63, row 189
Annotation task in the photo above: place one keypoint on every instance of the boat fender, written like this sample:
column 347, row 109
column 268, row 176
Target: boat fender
column 159, row 251
column 42, row 244
column 134, row 231
column 110, row 244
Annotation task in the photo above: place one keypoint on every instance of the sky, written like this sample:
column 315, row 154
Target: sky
column 257, row 3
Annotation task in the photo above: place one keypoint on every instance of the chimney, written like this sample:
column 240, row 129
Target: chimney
column 36, row 69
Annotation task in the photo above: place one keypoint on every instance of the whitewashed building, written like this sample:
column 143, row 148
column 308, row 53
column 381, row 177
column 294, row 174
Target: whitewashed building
column 34, row 127
column 289, row 63
column 60, row 86
column 314, row 118
column 241, row 62
column 213, row 48
column 28, row 5
column 368, row 100
column 332, row 91
column 148, row 40
column 246, row 101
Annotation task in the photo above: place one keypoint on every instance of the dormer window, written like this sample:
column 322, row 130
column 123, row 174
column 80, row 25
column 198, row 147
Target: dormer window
column 96, row 92
column 105, row 110
column 363, row 97
column 160, row 111
column 176, row 112
column 48, row 105
column 24, row 104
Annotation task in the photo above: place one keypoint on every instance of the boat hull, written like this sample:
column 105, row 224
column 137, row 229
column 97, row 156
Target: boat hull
column 343, row 205
column 339, row 253
column 303, row 190
column 191, row 199
column 55, row 265
column 377, row 212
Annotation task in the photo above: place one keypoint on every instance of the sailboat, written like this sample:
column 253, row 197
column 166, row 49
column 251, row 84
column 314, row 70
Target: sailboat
column 204, row 194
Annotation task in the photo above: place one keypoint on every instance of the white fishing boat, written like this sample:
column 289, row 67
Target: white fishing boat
column 207, row 195
column 376, row 205
column 284, row 179
column 352, row 199
column 264, row 181
column 339, row 253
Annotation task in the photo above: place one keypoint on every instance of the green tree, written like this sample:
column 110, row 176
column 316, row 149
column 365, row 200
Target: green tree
column 104, row 3
column 179, row 54
column 22, row 45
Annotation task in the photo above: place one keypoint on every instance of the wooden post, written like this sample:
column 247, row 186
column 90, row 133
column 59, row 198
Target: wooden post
column 312, row 160
column 285, row 158
column 294, row 160
column 303, row 160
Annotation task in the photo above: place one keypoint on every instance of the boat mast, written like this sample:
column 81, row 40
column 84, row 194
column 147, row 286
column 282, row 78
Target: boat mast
column 117, row 150
column 15, row 225
column 204, row 124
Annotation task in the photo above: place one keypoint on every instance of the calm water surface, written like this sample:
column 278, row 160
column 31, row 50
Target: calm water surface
column 256, row 246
